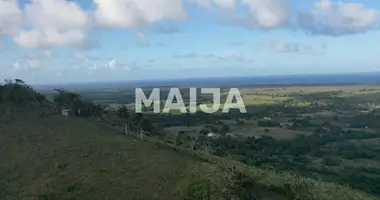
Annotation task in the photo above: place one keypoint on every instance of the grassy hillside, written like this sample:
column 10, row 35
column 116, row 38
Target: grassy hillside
column 67, row 158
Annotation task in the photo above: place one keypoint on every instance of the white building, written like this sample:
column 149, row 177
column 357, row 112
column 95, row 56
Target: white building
column 66, row 112
column 213, row 135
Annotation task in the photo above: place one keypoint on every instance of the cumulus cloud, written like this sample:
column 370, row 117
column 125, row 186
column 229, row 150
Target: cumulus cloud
column 282, row 47
column 114, row 63
column 225, row 4
column 59, row 23
column 142, row 39
column 93, row 67
column 137, row 13
column 16, row 65
column 32, row 64
column 10, row 17
column 53, row 23
column 269, row 13
column 261, row 14
column 328, row 18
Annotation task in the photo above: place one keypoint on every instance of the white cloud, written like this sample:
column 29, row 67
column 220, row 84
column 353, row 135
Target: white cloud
column 233, row 56
column 16, row 65
column 282, row 47
column 32, row 64
column 41, row 55
column 269, row 13
column 136, row 13
column 114, row 63
column 93, row 67
column 202, row 3
column 262, row 13
column 53, row 23
column 61, row 23
column 328, row 18
column 10, row 17
column 80, row 55
column 224, row 4
column 142, row 38
column 47, row 54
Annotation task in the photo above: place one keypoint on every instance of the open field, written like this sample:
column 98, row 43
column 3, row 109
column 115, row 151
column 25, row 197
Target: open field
column 365, row 97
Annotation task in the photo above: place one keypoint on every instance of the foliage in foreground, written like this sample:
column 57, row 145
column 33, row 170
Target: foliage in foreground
column 16, row 91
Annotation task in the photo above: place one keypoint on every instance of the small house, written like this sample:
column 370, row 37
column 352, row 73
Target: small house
column 66, row 112
column 213, row 135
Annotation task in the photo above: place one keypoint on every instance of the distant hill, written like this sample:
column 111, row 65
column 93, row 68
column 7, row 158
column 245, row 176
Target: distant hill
column 67, row 158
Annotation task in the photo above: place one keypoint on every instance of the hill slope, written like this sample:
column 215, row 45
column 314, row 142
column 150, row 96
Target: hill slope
column 59, row 157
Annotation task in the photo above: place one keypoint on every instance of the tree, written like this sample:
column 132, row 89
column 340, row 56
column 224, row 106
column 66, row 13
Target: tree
column 204, row 131
column 331, row 161
column 123, row 112
column 146, row 125
column 268, row 123
column 225, row 129
column 19, row 81
column 193, row 141
column 18, row 92
column 67, row 99
column 214, row 129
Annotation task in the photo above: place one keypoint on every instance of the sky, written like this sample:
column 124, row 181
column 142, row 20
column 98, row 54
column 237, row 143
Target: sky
column 63, row 41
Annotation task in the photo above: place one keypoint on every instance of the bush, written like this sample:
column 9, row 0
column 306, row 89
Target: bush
column 225, row 129
column 200, row 187
column 331, row 161
column 268, row 123
column 204, row 131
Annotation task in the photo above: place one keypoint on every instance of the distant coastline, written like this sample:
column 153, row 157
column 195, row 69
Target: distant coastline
column 302, row 79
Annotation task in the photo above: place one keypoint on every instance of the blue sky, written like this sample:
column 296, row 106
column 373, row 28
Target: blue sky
column 50, row 41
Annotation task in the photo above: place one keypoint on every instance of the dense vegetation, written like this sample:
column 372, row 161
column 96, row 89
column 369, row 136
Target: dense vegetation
column 48, row 156
column 335, row 132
